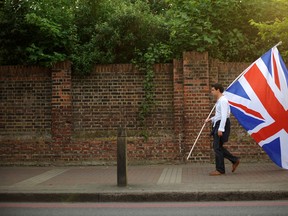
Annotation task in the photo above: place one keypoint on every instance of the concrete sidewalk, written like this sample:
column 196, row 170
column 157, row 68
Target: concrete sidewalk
column 190, row 182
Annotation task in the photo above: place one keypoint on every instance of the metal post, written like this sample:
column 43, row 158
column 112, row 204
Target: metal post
column 121, row 158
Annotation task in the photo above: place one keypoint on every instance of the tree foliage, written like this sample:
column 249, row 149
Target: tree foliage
column 275, row 28
column 89, row 32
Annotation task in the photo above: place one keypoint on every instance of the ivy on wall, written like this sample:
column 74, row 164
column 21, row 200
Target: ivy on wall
column 145, row 62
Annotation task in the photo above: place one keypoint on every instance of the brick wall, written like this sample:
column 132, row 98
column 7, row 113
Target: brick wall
column 25, row 112
column 196, row 103
column 110, row 97
column 25, row 100
column 49, row 116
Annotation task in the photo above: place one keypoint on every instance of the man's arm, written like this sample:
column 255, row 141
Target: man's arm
column 224, row 112
column 211, row 119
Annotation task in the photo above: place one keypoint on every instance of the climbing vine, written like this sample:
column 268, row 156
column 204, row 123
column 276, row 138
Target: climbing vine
column 145, row 62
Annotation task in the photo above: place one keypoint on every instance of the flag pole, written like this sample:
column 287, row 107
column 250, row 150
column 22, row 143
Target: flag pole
column 279, row 43
column 200, row 132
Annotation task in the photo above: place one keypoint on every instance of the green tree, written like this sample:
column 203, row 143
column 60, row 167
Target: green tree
column 36, row 32
column 117, row 29
column 89, row 32
column 215, row 26
column 15, row 34
column 274, row 27
column 190, row 28
column 54, row 31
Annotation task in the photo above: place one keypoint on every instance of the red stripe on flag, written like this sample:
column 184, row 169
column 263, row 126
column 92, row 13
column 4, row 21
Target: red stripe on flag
column 247, row 110
column 273, row 106
column 276, row 75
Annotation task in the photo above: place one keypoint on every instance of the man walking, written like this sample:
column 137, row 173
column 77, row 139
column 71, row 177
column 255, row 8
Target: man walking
column 221, row 131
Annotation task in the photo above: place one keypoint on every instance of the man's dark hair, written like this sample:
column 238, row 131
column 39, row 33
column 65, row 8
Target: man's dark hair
column 217, row 86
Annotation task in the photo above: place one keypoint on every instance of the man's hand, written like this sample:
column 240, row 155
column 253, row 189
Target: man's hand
column 220, row 133
column 207, row 120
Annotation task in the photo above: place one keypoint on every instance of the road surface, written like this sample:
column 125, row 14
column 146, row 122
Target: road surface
column 251, row 208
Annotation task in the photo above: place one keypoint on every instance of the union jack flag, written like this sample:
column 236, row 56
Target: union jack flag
column 259, row 101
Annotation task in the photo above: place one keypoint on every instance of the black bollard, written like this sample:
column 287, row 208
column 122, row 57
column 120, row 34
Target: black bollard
column 121, row 158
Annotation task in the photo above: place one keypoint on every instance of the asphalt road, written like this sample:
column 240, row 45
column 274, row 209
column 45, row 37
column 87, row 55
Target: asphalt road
column 250, row 208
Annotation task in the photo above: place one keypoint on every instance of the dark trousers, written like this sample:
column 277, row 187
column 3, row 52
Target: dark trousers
column 220, row 151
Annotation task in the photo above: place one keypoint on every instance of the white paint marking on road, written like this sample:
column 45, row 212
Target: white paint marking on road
column 40, row 178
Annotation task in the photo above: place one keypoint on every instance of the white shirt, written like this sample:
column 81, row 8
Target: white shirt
column 222, row 113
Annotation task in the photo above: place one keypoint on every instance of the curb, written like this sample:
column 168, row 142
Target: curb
column 144, row 197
